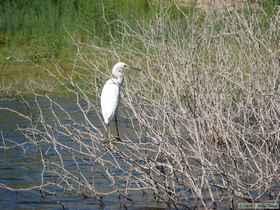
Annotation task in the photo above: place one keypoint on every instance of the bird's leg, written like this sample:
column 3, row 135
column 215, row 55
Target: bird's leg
column 110, row 137
column 108, row 132
column 109, row 140
column 117, row 128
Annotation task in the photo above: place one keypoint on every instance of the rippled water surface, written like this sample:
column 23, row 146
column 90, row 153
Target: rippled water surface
column 20, row 167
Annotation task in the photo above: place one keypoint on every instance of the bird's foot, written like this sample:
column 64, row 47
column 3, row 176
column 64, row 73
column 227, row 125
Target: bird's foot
column 117, row 138
column 109, row 144
column 111, row 141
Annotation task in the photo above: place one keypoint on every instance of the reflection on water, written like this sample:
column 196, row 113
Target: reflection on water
column 20, row 167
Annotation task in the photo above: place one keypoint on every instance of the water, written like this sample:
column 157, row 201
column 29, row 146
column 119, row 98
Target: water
column 20, row 167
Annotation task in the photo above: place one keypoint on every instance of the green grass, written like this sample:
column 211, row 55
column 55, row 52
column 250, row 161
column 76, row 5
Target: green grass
column 44, row 32
column 42, row 29
column 28, row 25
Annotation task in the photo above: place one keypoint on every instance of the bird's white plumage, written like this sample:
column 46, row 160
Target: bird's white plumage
column 109, row 100
column 111, row 92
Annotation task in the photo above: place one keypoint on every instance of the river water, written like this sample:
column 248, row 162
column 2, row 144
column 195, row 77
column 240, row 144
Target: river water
column 20, row 167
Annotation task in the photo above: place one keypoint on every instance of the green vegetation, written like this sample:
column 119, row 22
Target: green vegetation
column 48, row 32
column 45, row 32
column 41, row 30
column 38, row 30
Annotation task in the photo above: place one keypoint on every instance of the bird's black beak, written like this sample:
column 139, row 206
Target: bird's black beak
column 135, row 68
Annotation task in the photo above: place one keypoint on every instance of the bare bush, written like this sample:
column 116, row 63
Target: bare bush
column 203, row 114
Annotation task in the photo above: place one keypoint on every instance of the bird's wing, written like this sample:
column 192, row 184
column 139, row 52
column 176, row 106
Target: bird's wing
column 109, row 100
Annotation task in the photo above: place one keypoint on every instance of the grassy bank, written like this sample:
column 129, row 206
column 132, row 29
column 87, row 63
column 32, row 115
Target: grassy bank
column 38, row 37
column 49, row 36
column 43, row 29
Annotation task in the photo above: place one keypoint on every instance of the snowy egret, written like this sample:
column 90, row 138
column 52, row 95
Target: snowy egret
column 110, row 96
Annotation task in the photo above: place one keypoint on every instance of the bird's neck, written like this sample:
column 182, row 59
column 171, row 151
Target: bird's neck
column 117, row 80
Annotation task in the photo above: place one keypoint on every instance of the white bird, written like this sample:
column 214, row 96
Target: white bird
column 110, row 95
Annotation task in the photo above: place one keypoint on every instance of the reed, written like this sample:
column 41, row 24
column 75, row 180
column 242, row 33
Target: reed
column 28, row 25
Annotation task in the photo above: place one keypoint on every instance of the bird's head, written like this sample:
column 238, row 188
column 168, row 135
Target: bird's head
column 118, row 71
